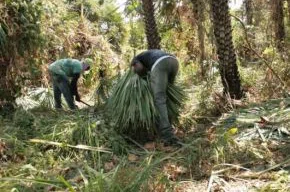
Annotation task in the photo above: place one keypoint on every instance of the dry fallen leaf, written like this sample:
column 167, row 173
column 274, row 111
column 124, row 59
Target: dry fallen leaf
column 264, row 119
column 2, row 151
column 115, row 159
column 132, row 157
column 211, row 133
column 109, row 166
column 150, row 146
column 238, row 103
column 173, row 171
column 181, row 170
column 282, row 105
column 166, row 148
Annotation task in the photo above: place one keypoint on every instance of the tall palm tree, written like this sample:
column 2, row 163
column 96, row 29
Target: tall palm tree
column 278, row 23
column 288, row 5
column 249, row 11
column 153, row 38
column 198, row 11
column 225, row 49
column 248, row 6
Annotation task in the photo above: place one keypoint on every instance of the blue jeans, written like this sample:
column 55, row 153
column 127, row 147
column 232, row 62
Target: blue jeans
column 61, row 85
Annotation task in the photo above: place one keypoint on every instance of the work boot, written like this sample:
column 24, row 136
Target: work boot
column 173, row 141
column 58, row 109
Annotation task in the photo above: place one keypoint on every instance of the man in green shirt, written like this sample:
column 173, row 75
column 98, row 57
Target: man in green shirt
column 65, row 74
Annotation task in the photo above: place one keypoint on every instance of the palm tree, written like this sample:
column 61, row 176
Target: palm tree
column 249, row 11
column 153, row 38
column 278, row 23
column 248, row 6
column 198, row 11
column 288, row 5
column 225, row 49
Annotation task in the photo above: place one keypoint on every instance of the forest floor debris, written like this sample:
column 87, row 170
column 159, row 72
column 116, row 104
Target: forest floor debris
column 229, row 155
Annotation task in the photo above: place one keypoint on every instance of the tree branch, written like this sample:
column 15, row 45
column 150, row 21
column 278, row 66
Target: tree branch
column 256, row 53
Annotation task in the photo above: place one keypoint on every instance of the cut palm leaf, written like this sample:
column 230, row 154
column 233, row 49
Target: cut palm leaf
column 131, row 105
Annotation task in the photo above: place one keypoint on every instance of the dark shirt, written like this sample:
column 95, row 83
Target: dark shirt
column 148, row 58
column 73, row 84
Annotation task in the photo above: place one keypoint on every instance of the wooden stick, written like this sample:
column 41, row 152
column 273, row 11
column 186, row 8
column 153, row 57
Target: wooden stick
column 84, row 147
column 85, row 103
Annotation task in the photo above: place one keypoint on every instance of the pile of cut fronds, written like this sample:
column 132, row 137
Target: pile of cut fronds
column 36, row 97
column 132, row 108
column 44, row 96
column 175, row 99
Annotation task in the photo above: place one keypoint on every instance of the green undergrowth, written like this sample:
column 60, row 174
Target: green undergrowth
column 45, row 159
column 46, row 150
column 256, row 138
column 37, row 152
column 78, row 128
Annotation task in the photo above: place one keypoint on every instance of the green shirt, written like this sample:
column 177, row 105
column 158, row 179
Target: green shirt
column 66, row 67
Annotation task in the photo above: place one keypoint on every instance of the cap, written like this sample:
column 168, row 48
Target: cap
column 86, row 63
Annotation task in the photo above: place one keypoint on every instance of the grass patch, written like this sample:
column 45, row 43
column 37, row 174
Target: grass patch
column 222, row 148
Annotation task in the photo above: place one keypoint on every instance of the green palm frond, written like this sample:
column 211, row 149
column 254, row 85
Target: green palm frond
column 131, row 104
column 3, row 37
column 44, row 96
column 175, row 99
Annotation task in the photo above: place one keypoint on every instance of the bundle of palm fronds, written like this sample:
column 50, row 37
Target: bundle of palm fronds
column 132, row 108
column 42, row 95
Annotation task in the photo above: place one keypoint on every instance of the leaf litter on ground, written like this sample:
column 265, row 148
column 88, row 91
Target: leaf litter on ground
column 227, row 145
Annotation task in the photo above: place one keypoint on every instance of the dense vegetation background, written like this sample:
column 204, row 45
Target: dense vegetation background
column 234, row 68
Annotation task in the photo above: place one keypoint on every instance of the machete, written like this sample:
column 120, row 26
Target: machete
column 85, row 103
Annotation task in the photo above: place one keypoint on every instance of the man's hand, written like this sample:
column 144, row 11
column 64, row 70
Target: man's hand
column 78, row 98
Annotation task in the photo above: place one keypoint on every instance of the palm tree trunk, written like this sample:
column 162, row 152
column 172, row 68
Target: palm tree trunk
column 198, row 10
column 288, row 5
column 153, row 38
column 278, row 23
column 249, row 11
column 225, row 49
column 7, row 91
column 248, row 5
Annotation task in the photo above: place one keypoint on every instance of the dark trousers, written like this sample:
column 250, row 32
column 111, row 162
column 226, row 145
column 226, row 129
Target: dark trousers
column 164, row 73
column 61, row 85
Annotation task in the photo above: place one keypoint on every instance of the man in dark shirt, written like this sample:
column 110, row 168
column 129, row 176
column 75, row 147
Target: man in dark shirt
column 65, row 74
column 163, row 69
